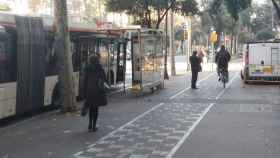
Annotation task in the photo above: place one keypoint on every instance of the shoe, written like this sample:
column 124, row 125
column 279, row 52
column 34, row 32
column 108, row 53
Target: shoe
column 194, row 88
column 219, row 79
column 90, row 128
column 94, row 129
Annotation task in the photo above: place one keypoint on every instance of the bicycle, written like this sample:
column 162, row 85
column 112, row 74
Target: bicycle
column 223, row 76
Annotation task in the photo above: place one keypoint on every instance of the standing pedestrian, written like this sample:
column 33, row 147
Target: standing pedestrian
column 95, row 96
column 195, row 66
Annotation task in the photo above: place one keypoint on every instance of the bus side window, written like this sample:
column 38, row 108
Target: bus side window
column 52, row 68
column 75, row 56
column 7, row 59
column 3, row 63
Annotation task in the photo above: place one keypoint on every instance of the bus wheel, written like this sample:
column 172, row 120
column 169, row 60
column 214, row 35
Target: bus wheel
column 160, row 86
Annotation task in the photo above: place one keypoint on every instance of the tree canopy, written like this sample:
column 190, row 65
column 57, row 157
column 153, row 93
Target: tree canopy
column 225, row 15
column 150, row 13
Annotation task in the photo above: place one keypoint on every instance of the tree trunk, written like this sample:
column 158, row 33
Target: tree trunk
column 166, row 76
column 172, row 51
column 235, row 44
column 66, row 72
column 231, row 43
column 189, row 51
column 276, row 6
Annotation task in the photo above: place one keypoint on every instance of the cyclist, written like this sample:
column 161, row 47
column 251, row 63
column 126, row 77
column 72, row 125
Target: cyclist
column 222, row 59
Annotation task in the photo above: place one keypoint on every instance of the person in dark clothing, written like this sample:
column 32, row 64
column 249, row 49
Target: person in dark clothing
column 94, row 96
column 195, row 67
column 222, row 59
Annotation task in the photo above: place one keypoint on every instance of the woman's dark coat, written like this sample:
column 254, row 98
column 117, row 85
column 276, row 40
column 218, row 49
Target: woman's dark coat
column 195, row 63
column 92, row 94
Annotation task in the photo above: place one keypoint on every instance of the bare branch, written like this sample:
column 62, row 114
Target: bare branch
column 166, row 11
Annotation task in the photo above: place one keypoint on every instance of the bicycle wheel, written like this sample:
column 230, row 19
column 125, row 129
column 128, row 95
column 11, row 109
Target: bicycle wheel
column 224, row 79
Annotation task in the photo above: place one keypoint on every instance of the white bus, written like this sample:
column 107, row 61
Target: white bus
column 29, row 62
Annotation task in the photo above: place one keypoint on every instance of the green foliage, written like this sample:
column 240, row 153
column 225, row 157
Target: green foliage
column 245, row 17
column 199, row 36
column 262, row 19
column 225, row 15
column 188, row 7
column 149, row 12
column 179, row 35
column 244, row 37
column 265, row 34
column 234, row 7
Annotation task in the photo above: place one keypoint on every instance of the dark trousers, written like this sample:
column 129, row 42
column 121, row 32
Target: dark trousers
column 194, row 78
column 93, row 115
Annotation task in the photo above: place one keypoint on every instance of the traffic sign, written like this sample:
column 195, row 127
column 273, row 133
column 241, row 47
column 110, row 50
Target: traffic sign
column 213, row 37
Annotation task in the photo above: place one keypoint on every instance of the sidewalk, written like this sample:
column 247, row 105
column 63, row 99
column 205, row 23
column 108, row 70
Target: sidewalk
column 60, row 136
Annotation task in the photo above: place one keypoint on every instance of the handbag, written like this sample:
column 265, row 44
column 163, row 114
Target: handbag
column 103, row 87
column 84, row 109
column 103, row 100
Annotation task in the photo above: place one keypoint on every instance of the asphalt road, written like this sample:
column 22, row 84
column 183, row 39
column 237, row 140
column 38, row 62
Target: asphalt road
column 240, row 121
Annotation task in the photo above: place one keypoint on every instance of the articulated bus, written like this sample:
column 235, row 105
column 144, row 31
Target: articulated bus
column 29, row 61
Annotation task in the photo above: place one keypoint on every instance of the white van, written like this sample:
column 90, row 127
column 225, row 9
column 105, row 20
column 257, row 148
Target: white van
column 261, row 62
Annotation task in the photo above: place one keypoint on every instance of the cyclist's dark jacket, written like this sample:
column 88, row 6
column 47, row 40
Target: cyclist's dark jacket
column 222, row 58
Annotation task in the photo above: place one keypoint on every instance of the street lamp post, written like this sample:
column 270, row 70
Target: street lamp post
column 189, row 29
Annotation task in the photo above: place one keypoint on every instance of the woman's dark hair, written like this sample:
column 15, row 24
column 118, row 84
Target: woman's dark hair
column 194, row 52
column 223, row 47
column 94, row 59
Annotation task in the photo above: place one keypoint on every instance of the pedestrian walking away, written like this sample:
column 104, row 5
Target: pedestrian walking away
column 94, row 93
column 195, row 68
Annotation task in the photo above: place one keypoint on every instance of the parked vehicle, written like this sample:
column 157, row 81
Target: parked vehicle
column 261, row 62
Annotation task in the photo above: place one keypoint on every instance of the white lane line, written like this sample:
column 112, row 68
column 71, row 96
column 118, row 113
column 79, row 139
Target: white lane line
column 188, row 88
column 188, row 133
column 78, row 153
column 120, row 128
column 225, row 89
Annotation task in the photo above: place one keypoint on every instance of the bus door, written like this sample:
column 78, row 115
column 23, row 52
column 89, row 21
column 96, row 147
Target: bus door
column 148, row 63
column 158, row 60
column 106, row 58
column 121, row 61
column 85, row 49
column 112, row 62
column 136, row 62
